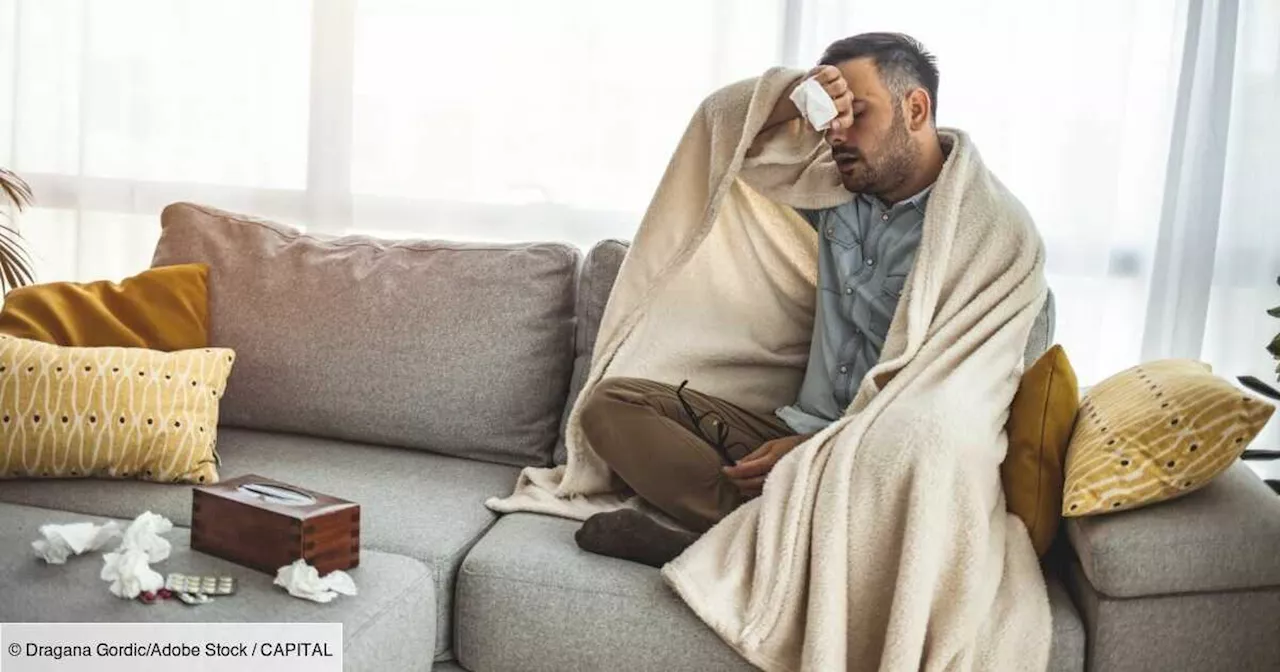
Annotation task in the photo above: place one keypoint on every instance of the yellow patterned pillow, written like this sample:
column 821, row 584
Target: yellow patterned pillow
column 1155, row 432
column 109, row 412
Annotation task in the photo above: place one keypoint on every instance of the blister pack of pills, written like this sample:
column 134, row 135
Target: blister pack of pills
column 200, row 585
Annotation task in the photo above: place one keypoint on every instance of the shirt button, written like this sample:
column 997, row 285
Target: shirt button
column 870, row 262
column 831, row 230
column 885, row 217
column 844, row 369
column 848, row 290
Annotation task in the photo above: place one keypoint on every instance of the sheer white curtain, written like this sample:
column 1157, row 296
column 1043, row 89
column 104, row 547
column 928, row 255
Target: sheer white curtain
column 499, row 120
column 1246, row 254
column 1136, row 131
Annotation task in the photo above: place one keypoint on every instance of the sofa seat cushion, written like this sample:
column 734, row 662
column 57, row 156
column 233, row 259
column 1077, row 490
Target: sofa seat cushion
column 388, row 625
column 412, row 503
column 1225, row 536
column 463, row 349
column 529, row 599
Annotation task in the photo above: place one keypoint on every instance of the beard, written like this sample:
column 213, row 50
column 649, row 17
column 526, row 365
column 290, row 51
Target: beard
column 892, row 166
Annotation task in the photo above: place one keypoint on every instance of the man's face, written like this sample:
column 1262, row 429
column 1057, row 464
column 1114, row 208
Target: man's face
column 877, row 154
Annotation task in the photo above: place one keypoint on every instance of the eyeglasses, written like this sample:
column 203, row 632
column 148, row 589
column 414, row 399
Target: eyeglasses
column 721, row 428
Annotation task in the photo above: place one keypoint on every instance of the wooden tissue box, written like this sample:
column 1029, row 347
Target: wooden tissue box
column 265, row 524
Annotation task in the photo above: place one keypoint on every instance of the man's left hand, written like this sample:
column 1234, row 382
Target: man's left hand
column 751, row 471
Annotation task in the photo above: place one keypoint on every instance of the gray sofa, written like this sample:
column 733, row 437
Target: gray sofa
column 1193, row 584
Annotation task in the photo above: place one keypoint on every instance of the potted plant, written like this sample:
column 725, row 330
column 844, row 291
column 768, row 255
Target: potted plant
column 1257, row 385
column 15, row 261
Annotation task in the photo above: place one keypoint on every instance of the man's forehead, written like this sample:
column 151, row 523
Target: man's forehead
column 863, row 77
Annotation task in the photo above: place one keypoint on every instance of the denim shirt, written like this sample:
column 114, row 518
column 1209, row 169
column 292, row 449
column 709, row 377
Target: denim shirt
column 865, row 251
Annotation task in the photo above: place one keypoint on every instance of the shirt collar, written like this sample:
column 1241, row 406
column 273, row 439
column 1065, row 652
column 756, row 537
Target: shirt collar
column 918, row 201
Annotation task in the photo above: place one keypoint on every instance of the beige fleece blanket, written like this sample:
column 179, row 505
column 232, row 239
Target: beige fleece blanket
column 883, row 542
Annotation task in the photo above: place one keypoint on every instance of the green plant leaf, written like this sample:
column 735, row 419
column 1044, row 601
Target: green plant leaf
column 1260, row 387
column 1274, row 348
column 1274, row 312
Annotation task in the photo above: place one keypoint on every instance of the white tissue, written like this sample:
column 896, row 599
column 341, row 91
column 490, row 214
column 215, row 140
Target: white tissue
column 303, row 580
column 129, row 567
column 63, row 541
column 143, row 534
column 814, row 104
column 129, row 573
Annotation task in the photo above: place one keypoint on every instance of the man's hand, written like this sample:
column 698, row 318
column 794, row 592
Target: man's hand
column 749, row 473
column 833, row 83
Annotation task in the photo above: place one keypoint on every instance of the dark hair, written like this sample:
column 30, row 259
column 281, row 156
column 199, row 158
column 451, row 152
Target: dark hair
column 903, row 62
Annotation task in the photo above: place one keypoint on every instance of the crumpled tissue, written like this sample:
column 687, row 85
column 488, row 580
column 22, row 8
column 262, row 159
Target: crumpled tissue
column 129, row 573
column 143, row 534
column 303, row 580
column 129, row 567
column 814, row 104
column 63, row 541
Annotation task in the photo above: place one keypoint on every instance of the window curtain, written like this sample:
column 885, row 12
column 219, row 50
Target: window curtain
column 1135, row 131
column 495, row 120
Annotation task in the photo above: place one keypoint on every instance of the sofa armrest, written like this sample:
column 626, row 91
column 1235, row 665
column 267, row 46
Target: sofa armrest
column 1223, row 537
column 1191, row 584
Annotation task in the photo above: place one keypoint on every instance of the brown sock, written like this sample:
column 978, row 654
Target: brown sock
column 631, row 535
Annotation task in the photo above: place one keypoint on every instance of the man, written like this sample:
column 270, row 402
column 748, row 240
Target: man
column 697, row 458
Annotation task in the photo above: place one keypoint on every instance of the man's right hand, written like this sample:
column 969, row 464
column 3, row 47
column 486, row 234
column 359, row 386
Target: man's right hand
column 833, row 83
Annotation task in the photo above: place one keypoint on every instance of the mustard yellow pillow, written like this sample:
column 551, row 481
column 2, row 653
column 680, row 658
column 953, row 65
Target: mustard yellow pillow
column 1039, row 429
column 109, row 412
column 1155, row 432
column 164, row 308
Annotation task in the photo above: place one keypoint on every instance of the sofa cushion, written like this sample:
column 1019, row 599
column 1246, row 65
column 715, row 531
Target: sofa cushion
column 1067, row 650
column 529, row 599
column 68, row 412
column 461, row 349
column 1225, row 536
column 1039, row 429
column 160, row 309
column 423, row 506
column 387, row 626
column 1041, row 336
column 1155, row 432
column 599, row 270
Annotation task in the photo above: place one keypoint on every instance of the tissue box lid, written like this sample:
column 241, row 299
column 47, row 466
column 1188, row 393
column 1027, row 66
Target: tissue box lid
column 275, row 496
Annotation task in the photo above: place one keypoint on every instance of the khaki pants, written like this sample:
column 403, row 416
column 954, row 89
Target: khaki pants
column 669, row 445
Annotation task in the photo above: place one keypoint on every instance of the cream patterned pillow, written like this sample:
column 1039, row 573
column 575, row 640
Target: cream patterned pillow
column 110, row 412
column 1155, row 432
